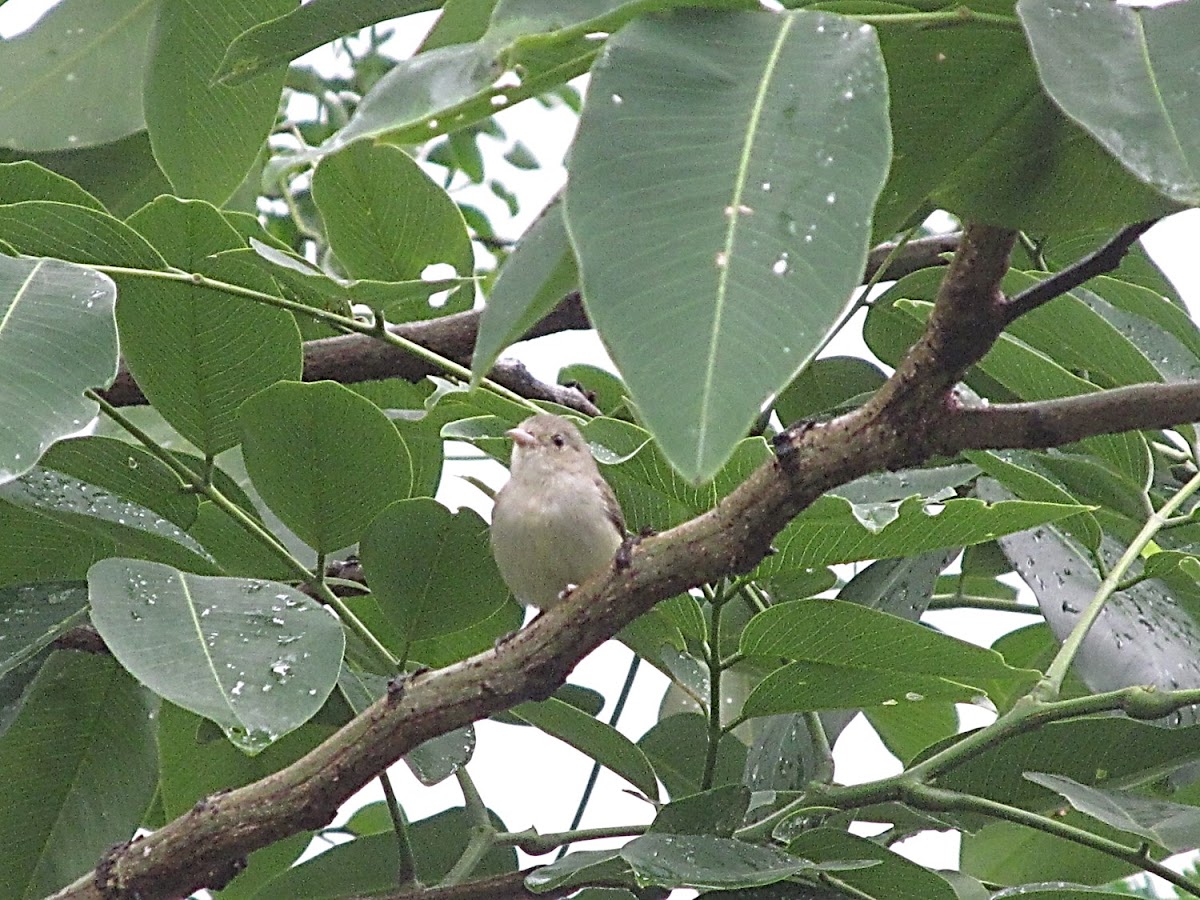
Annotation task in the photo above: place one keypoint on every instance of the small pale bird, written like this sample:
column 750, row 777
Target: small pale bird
column 556, row 522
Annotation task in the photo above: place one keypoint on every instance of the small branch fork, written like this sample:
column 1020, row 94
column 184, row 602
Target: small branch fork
column 911, row 418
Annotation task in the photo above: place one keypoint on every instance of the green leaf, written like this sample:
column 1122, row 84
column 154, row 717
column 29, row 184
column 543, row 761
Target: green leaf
column 184, row 232
column 1174, row 826
column 777, row 188
column 676, row 747
column 36, row 548
column 909, row 728
column 207, row 152
column 1139, row 99
column 125, row 470
column 533, row 280
column 386, row 219
column 848, row 635
column 34, row 615
column 594, row 739
column 829, row 531
column 827, row 384
column 719, row 811
column 75, row 78
column 80, row 770
column 257, row 657
column 282, row 39
column 1083, row 749
column 809, row 686
column 324, row 486
column 134, row 530
column 123, row 175
column 76, row 234
column 1004, row 853
column 430, row 570
column 198, row 353
column 579, row 868
column 706, row 861
column 894, row 878
column 27, row 180
column 368, row 865
column 975, row 133
column 61, row 317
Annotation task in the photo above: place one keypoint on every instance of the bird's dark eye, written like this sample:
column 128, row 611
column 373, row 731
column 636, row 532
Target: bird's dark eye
column 559, row 440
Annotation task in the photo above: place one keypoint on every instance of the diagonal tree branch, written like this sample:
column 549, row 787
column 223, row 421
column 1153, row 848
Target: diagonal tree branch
column 911, row 418
column 352, row 358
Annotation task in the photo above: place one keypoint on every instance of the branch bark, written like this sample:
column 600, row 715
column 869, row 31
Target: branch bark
column 911, row 418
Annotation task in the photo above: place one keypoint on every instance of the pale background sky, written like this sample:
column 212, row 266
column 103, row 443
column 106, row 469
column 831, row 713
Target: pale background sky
column 530, row 779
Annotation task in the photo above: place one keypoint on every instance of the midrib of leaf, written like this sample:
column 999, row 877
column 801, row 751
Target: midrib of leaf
column 20, row 295
column 191, row 606
column 84, row 49
column 730, row 232
column 1144, row 48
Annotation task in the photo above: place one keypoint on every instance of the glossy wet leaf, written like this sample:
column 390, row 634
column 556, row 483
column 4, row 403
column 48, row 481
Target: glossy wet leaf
column 1141, row 97
column 706, row 861
column 257, row 657
column 776, row 183
column 57, row 339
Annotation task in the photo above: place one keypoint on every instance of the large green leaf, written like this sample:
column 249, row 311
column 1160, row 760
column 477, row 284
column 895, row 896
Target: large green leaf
column 27, row 180
column 208, row 151
column 324, row 459
column 594, row 738
column 834, row 530
column 34, row 547
column 75, row 78
column 836, row 633
column 257, row 657
column 80, row 769
column 894, row 878
column 198, row 353
column 1121, row 749
column 386, row 219
column 975, row 133
column 282, row 39
column 430, row 570
column 57, row 339
column 725, row 249
column 1140, row 98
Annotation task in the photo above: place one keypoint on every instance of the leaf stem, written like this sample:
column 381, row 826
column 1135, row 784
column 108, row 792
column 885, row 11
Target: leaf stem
column 370, row 329
column 1055, row 675
column 940, row 799
column 406, row 872
column 196, row 483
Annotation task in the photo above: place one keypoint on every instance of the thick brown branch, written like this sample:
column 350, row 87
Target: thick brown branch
column 1053, row 423
column 911, row 418
column 352, row 358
